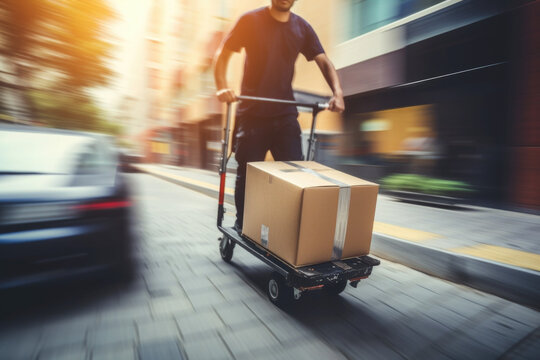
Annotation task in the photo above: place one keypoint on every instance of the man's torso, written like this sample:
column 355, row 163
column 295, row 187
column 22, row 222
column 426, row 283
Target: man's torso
column 272, row 48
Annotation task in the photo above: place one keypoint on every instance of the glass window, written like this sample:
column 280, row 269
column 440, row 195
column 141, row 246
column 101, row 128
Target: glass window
column 29, row 152
column 153, row 78
column 368, row 15
column 156, row 18
column 34, row 152
column 95, row 158
column 155, row 51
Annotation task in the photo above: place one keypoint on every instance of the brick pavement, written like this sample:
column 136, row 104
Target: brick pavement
column 489, row 249
column 186, row 303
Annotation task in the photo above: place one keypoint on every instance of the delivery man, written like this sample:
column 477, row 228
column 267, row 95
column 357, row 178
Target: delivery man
column 272, row 37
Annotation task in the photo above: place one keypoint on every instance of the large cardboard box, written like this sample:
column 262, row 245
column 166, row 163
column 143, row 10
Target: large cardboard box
column 307, row 213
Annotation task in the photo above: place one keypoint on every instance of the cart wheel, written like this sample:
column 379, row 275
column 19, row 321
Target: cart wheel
column 226, row 248
column 278, row 291
column 335, row 289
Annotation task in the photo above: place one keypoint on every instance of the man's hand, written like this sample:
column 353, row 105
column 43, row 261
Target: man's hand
column 226, row 95
column 336, row 104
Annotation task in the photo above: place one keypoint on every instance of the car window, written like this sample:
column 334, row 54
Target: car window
column 35, row 152
column 95, row 157
column 88, row 162
column 110, row 155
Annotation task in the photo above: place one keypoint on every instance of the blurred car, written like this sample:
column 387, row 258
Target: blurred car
column 64, row 206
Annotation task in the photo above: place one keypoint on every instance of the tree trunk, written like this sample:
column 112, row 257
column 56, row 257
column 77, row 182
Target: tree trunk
column 28, row 112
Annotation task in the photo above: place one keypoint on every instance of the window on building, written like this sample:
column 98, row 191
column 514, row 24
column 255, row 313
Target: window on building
column 156, row 18
column 368, row 15
column 153, row 78
column 154, row 51
column 208, row 87
column 222, row 11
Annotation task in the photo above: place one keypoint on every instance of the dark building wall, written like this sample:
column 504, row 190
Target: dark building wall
column 525, row 94
column 484, row 88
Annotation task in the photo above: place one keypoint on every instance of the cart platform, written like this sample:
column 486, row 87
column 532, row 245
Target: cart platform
column 310, row 276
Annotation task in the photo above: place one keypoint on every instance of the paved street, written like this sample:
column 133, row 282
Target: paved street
column 186, row 303
column 491, row 250
column 465, row 229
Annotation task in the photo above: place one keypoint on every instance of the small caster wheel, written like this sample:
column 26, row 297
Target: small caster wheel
column 226, row 248
column 279, row 292
column 335, row 289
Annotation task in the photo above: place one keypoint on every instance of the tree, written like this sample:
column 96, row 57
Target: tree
column 54, row 41
column 72, row 112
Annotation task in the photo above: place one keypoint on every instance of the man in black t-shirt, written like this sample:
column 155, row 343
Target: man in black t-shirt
column 272, row 37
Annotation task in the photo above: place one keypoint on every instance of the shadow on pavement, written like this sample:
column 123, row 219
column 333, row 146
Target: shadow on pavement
column 344, row 321
column 314, row 306
column 51, row 300
column 438, row 206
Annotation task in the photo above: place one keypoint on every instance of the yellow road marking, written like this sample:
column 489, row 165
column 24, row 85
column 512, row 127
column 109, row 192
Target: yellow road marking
column 404, row 233
column 190, row 181
column 503, row 255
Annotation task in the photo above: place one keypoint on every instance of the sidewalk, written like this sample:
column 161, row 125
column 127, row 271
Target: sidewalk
column 496, row 251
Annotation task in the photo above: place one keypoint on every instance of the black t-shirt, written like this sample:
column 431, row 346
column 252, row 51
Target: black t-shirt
column 272, row 48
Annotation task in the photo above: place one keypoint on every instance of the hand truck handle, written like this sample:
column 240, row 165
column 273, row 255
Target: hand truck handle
column 315, row 107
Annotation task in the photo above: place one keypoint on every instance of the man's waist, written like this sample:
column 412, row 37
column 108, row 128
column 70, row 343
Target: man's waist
column 267, row 112
column 266, row 109
column 248, row 117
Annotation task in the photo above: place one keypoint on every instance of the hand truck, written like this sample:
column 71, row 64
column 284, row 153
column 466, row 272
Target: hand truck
column 288, row 283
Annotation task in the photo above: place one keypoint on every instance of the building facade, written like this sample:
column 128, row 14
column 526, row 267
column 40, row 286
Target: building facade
column 442, row 88
column 439, row 88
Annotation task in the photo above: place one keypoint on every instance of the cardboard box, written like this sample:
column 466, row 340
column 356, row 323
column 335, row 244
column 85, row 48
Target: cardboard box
column 291, row 208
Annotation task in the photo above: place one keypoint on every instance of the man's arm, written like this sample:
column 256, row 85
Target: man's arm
column 221, row 61
column 330, row 75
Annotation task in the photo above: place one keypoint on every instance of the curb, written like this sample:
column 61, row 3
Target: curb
column 207, row 191
column 510, row 282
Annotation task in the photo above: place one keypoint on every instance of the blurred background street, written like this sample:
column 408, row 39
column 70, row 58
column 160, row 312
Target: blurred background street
column 110, row 144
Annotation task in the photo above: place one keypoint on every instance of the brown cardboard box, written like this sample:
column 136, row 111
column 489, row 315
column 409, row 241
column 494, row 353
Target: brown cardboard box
column 291, row 208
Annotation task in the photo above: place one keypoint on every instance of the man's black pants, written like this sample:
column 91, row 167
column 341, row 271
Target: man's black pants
column 253, row 138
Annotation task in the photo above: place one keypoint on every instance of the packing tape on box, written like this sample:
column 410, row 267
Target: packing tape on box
column 264, row 235
column 342, row 217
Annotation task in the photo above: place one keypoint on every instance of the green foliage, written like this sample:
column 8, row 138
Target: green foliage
column 75, row 112
column 58, row 47
column 60, row 36
column 426, row 185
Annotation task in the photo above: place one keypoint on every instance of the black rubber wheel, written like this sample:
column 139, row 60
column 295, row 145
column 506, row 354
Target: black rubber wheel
column 226, row 248
column 278, row 291
column 335, row 289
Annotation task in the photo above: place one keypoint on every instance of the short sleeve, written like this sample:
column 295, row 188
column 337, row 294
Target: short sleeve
column 236, row 38
column 312, row 46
